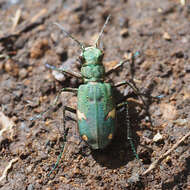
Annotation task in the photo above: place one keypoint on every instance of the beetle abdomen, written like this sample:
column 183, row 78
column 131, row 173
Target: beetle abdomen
column 96, row 114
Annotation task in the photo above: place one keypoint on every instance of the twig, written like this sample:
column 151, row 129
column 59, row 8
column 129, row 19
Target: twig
column 28, row 25
column 155, row 163
column 16, row 19
column 9, row 166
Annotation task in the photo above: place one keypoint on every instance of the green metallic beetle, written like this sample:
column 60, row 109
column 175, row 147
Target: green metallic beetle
column 96, row 109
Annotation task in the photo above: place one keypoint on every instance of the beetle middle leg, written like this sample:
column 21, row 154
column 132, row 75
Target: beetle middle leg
column 136, row 91
column 74, row 90
column 65, row 131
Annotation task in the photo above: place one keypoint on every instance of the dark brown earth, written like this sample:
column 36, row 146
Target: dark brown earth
column 157, row 32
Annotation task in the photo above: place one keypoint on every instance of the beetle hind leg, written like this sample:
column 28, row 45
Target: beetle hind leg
column 127, row 121
column 65, row 133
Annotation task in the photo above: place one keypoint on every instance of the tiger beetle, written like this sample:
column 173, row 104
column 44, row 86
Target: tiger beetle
column 96, row 109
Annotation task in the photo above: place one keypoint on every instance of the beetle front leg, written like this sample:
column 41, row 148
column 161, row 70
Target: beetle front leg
column 116, row 67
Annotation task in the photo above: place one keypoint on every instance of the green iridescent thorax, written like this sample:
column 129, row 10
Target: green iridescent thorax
column 92, row 69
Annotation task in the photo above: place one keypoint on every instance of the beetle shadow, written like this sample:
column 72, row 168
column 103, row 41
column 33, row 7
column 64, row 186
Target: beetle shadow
column 180, row 178
column 119, row 152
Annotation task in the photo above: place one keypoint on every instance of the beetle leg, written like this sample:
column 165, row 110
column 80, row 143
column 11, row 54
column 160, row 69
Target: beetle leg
column 64, row 71
column 135, row 89
column 116, row 67
column 65, row 132
column 66, row 108
column 74, row 90
column 127, row 120
column 129, row 59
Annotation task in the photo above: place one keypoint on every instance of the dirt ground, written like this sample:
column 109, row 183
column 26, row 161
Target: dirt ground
column 156, row 32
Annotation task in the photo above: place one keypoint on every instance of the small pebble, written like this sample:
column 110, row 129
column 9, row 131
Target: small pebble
column 68, row 65
column 157, row 137
column 23, row 73
column 39, row 48
column 124, row 32
column 166, row 36
column 58, row 76
column 9, row 65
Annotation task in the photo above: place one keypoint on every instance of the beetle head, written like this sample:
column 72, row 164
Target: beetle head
column 92, row 55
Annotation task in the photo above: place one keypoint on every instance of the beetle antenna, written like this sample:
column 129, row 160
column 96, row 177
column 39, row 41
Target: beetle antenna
column 102, row 30
column 69, row 35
